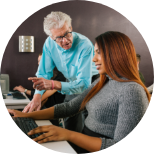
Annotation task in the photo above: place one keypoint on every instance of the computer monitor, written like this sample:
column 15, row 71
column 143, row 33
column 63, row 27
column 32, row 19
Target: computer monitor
column 4, row 83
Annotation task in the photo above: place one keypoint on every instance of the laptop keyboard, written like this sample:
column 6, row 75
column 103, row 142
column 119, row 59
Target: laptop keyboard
column 18, row 95
column 26, row 125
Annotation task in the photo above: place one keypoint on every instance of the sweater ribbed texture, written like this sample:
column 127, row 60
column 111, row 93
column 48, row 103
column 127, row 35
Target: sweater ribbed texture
column 113, row 112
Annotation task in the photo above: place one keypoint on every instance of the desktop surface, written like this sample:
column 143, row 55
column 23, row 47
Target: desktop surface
column 60, row 146
column 57, row 146
column 13, row 103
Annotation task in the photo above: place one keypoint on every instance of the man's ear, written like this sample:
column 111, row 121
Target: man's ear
column 51, row 37
column 71, row 28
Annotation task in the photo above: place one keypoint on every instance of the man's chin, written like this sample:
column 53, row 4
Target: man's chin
column 67, row 47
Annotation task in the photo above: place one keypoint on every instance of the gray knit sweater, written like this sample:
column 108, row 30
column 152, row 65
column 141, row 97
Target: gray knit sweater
column 113, row 112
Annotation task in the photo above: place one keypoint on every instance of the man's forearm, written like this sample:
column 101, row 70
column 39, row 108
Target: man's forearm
column 57, row 85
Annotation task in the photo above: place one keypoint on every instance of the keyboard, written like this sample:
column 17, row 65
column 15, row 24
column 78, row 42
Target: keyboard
column 18, row 95
column 26, row 125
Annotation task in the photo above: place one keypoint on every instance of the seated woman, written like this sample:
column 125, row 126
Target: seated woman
column 115, row 102
column 28, row 92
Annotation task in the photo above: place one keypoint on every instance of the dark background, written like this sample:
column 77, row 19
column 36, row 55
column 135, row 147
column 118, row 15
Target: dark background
column 89, row 19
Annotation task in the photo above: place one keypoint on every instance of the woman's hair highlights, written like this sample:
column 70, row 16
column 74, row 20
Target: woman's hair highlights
column 119, row 58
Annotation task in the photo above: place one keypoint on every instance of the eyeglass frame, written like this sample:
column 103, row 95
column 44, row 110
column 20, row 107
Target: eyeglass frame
column 62, row 37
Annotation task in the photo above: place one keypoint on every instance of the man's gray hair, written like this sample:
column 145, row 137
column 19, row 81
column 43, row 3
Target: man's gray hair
column 55, row 20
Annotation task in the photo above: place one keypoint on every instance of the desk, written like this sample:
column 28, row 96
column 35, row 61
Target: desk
column 60, row 146
column 12, row 103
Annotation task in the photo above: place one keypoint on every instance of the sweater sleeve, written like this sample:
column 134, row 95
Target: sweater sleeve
column 133, row 103
column 72, row 107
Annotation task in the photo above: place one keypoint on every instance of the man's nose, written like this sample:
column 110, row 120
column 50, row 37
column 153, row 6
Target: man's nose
column 64, row 39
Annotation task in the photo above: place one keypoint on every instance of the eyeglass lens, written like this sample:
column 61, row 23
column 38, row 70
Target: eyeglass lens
column 67, row 35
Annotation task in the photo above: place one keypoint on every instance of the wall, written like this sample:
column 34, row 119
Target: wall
column 89, row 19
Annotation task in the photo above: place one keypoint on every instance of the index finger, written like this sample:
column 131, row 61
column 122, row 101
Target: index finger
column 33, row 78
column 10, row 111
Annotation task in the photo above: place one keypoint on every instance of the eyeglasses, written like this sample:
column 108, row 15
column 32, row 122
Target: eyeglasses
column 60, row 38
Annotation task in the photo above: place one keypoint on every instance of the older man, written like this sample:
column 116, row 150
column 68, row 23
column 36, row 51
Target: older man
column 70, row 52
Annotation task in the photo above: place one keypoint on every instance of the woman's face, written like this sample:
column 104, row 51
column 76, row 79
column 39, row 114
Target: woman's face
column 98, row 60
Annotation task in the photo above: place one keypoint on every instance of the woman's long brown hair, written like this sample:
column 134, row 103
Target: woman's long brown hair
column 119, row 59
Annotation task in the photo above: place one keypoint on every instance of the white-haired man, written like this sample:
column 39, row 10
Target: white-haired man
column 70, row 52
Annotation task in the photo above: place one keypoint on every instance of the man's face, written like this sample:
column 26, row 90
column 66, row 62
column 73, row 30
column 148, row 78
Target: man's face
column 138, row 64
column 66, row 43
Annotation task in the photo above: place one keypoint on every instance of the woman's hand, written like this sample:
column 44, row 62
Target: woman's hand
column 19, row 88
column 16, row 113
column 51, row 133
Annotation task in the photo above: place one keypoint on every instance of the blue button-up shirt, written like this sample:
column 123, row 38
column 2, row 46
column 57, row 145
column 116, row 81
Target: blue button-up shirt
column 75, row 64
